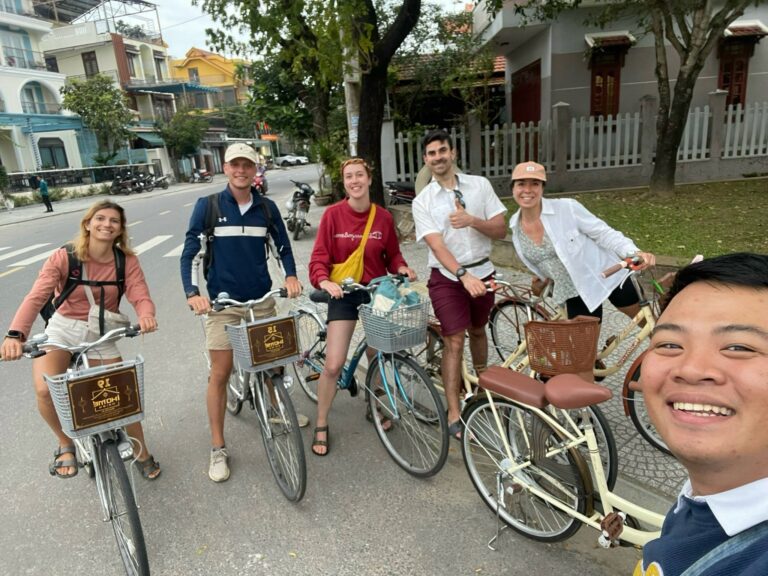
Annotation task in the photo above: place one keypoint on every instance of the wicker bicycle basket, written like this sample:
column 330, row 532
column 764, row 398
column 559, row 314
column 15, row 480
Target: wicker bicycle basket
column 97, row 399
column 397, row 329
column 562, row 346
column 264, row 344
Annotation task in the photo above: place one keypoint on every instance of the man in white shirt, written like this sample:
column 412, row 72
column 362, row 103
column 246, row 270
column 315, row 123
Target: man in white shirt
column 705, row 384
column 457, row 217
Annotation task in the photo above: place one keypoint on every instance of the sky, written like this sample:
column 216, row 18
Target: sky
column 183, row 25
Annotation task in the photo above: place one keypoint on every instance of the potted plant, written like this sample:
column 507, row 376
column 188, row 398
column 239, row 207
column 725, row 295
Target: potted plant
column 330, row 157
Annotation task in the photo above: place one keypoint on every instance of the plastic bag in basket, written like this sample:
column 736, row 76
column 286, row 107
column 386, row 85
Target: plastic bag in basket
column 389, row 296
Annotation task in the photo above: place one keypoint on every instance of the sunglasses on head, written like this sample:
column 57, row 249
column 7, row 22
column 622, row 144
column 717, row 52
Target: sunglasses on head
column 459, row 198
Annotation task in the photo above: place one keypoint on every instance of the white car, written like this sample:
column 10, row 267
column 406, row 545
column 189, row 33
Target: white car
column 290, row 160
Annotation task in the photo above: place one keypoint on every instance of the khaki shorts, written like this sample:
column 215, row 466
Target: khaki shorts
column 215, row 334
column 71, row 332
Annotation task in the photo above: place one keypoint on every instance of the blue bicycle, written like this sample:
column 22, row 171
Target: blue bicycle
column 396, row 386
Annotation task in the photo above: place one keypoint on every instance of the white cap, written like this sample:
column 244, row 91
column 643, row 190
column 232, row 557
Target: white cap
column 241, row 150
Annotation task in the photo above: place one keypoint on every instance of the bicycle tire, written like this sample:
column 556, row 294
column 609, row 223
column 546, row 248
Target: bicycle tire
column 639, row 416
column 417, row 439
column 485, row 456
column 309, row 367
column 123, row 513
column 430, row 355
column 507, row 319
column 298, row 229
column 237, row 386
column 282, row 439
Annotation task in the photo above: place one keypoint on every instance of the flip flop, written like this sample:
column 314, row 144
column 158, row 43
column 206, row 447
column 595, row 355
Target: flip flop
column 326, row 442
column 57, row 464
column 455, row 430
column 386, row 423
column 149, row 468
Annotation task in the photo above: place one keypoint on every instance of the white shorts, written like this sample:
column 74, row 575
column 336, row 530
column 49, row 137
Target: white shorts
column 71, row 332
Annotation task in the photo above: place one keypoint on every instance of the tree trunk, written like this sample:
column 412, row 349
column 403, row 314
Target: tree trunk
column 373, row 92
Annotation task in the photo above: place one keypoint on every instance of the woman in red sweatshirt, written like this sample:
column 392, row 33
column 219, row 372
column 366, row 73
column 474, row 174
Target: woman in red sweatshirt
column 102, row 230
column 340, row 233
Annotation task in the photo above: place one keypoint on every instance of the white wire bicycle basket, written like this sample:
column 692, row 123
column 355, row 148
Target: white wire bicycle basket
column 265, row 344
column 97, row 399
column 397, row 329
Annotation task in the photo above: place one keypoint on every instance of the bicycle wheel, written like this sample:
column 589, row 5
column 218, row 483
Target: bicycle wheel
column 507, row 320
column 606, row 442
column 282, row 437
column 430, row 355
column 639, row 416
column 237, row 390
column 529, row 438
column 418, row 436
column 309, row 366
column 123, row 513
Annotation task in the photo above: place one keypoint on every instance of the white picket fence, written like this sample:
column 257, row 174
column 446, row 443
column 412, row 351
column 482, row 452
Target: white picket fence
column 595, row 142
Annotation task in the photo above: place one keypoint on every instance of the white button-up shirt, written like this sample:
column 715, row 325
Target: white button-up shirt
column 431, row 211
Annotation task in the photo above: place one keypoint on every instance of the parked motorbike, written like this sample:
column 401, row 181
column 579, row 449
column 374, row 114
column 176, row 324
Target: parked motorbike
column 401, row 192
column 199, row 175
column 125, row 182
column 298, row 208
column 260, row 181
column 145, row 182
column 160, row 182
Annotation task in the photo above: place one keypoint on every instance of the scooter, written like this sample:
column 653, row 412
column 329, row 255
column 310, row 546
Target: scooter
column 125, row 183
column 160, row 182
column 199, row 175
column 260, row 181
column 298, row 208
column 145, row 182
column 401, row 192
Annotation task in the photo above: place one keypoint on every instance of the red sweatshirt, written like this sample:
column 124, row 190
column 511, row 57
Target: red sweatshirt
column 341, row 230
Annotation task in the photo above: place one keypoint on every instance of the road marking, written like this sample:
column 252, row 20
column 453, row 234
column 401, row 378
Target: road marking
column 4, row 248
column 188, row 204
column 33, row 259
column 11, row 271
column 23, row 250
column 134, row 223
column 141, row 248
column 175, row 253
column 164, row 213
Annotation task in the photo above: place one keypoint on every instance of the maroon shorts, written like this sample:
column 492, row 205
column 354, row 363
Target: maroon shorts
column 453, row 305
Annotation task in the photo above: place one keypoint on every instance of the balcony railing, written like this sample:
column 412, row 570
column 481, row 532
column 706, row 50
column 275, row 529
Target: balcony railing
column 12, row 8
column 20, row 58
column 83, row 77
column 37, row 107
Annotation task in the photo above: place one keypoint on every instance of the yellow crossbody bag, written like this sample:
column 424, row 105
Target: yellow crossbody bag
column 352, row 267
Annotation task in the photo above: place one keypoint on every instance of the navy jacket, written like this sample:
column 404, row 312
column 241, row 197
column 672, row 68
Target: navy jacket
column 239, row 248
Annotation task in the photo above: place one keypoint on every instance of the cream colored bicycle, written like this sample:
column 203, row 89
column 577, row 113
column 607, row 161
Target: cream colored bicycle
column 542, row 474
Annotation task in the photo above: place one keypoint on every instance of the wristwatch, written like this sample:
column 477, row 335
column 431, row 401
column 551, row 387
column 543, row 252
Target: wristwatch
column 15, row 334
column 192, row 294
column 460, row 271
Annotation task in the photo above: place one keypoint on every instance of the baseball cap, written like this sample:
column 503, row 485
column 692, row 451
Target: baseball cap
column 241, row 150
column 530, row 170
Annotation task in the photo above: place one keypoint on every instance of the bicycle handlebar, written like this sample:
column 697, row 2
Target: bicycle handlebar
column 223, row 300
column 31, row 348
column 348, row 285
column 631, row 262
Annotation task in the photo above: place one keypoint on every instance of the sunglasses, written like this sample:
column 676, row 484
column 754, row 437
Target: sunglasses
column 459, row 198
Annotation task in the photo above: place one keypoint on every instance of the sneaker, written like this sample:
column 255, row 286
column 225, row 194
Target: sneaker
column 218, row 471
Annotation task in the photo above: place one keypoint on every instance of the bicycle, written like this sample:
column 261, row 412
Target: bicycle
column 430, row 353
column 519, row 306
column 93, row 405
column 531, row 470
column 259, row 348
column 396, row 386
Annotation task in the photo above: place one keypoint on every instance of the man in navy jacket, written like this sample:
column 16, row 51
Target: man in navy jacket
column 239, row 267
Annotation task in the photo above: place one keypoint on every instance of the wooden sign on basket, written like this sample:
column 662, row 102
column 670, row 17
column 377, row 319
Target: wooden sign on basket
column 104, row 398
column 272, row 341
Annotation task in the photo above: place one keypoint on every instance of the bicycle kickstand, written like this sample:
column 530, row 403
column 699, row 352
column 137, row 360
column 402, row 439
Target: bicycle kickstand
column 499, row 503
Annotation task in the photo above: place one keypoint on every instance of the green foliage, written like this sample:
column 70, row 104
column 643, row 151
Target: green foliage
column 3, row 178
column 103, row 109
column 239, row 121
column 135, row 31
column 184, row 133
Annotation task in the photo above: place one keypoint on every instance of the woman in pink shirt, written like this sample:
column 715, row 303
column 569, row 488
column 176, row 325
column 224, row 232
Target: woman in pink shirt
column 340, row 233
column 102, row 230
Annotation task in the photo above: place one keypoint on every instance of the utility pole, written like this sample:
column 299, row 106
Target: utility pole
column 351, row 94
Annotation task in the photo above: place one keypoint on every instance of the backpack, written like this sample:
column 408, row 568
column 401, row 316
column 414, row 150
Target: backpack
column 212, row 215
column 75, row 279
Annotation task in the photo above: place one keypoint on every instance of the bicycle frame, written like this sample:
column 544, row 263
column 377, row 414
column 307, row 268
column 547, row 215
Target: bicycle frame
column 571, row 439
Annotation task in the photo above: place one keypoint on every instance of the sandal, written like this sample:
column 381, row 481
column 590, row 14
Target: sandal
column 386, row 422
column 316, row 442
column 149, row 468
column 455, row 429
column 57, row 464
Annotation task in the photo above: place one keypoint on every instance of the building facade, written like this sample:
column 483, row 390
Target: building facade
column 206, row 68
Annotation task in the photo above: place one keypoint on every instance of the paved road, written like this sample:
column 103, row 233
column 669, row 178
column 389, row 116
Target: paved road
column 361, row 515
